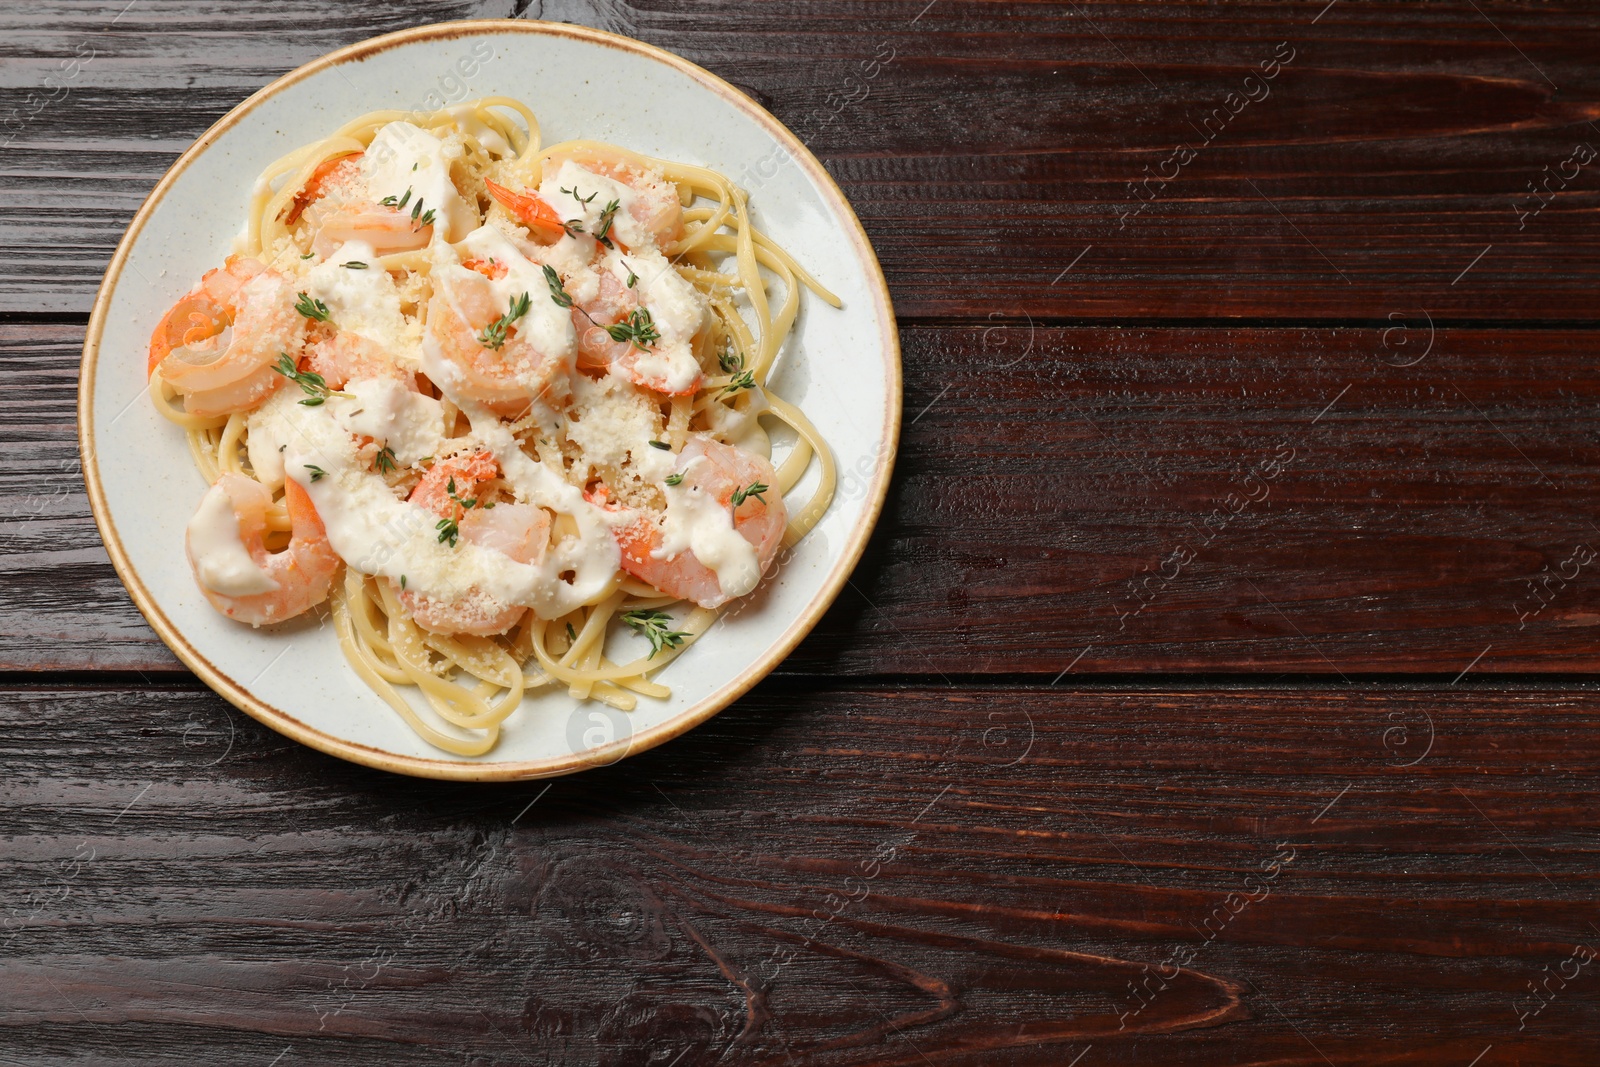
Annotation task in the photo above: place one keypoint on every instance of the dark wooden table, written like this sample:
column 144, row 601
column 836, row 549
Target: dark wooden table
column 1219, row 687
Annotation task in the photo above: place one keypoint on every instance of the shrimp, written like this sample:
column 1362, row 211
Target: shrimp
column 301, row 575
column 531, row 210
column 654, row 206
column 346, row 356
column 335, row 170
column 519, row 531
column 387, row 230
column 506, row 379
column 218, row 344
column 719, row 470
column 652, row 368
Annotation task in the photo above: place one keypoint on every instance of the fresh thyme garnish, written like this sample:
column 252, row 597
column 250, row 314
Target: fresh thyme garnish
column 386, row 460
column 317, row 473
column 390, row 201
column 562, row 298
column 467, row 504
column 661, row 445
column 654, row 626
column 402, row 582
column 572, row 635
column 494, row 334
column 354, row 264
column 573, row 192
column 638, row 327
column 675, row 479
column 308, row 255
column 753, row 490
column 427, row 218
column 743, row 380
column 729, row 359
column 607, row 214
column 311, row 384
column 312, row 308
column 449, row 531
column 632, row 277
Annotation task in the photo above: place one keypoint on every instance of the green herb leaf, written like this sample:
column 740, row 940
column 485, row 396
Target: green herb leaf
column 317, row 473
column 661, row 445
column 308, row 255
column 752, row 491
column 494, row 334
column 449, row 531
column 655, row 626
column 572, row 635
column 743, row 380
column 354, row 264
column 607, row 215
column 573, row 192
column 674, row 479
column 638, row 327
column 633, row 279
column 728, row 359
column 312, row 308
column 312, row 385
column 386, row 460
column 562, row 298
column 402, row 583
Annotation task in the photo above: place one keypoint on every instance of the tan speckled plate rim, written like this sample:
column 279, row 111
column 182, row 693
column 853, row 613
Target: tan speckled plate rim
column 287, row 724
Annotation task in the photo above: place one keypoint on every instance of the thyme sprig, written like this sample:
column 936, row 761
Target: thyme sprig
column 317, row 473
column 752, row 491
column 494, row 334
column 638, row 327
column 313, row 385
column 312, row 308
column 386, row 461
column 743, row 380
column 655, row 626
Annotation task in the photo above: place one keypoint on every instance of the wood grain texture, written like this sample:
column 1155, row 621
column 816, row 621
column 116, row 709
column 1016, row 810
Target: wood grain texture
column 986, row 146
column 1051, row 484
column 888, row 876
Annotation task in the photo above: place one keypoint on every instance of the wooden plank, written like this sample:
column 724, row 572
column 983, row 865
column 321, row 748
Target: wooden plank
column 1149, row 499
column 986, row 876
column 1387, row 166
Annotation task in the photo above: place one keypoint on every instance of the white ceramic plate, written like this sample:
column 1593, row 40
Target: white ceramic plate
column 841, row 367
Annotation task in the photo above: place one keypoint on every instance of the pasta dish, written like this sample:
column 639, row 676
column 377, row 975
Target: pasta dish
column 503, row 405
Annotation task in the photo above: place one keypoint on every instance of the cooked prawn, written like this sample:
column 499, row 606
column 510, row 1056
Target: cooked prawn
column 302, row 574
column 345, row 356
column 335, row 170
column 218, row 344
column 614, row 303
column 505, row 379
column 531, row 210
column 387, row 230
column 654, row 206
column 721, row 471
column 520, row 531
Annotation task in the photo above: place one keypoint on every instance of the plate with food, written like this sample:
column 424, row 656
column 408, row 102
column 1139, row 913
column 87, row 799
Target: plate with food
column 489, row 400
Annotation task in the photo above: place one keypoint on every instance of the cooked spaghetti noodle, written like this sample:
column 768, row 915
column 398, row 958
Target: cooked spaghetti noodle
column 500, row 403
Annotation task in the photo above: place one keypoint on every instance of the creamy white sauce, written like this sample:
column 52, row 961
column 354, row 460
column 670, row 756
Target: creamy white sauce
column 697, row 522
column 221, row 562
column 676, row 309
column 403, row 156
column 410, row 424
column 466, row 119
column 584, row 182
column 364, row 302
column 378, row 534
column 269, row 429
column 547, row 326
